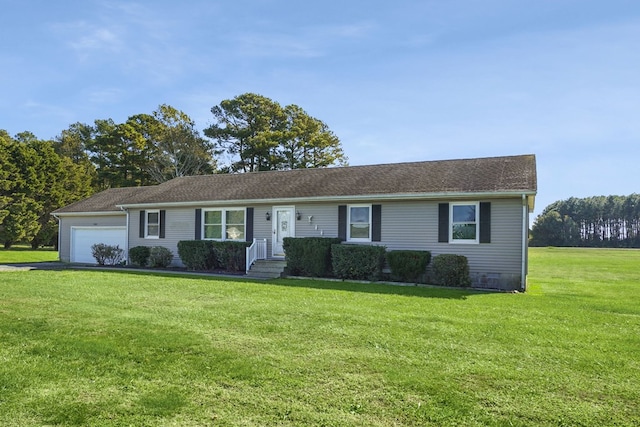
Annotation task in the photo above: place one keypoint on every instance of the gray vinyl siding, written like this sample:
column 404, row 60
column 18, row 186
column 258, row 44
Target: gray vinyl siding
column 325, row 216
column 262, row 227
column 405, row 225
column 66, row 222
column 180, row 225
column 409, row 225
column 502, row 258
column 414, row 225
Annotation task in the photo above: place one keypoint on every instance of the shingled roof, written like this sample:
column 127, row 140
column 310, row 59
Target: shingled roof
column 494, row 175
column 104, row 201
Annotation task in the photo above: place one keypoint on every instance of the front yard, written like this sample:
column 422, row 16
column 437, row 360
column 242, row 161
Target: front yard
column 116, row 348
column 23, row 254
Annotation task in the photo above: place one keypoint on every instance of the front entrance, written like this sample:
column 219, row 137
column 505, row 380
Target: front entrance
column 284, row 225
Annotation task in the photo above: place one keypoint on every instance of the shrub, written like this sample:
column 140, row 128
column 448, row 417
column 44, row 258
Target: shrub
column 309, row 256
column 159, row 256
column 106, row 254
column 357, row 262
column 408, row 266
column 139, row 255
column 197, row 254
column 231, row 256
column 451, row 270
column 211, row 255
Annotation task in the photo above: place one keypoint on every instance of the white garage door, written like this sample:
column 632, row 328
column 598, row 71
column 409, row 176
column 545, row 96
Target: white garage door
column 82, row 238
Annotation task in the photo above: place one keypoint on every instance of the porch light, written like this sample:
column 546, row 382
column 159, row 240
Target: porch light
column 298, row 215
column 267, row 215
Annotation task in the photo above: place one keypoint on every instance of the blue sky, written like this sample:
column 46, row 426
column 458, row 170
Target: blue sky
column 396, row 81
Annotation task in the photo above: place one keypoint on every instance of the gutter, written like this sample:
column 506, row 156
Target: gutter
column 59, row 233
column 126, row 242
column 352, row 198
column 103, row 213
column 525, row 238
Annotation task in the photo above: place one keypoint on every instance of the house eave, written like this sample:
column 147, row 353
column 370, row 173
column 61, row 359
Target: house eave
column 349, row 198
column 99, row 213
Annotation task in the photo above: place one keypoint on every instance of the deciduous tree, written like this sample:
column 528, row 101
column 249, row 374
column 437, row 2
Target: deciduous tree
column 174, row 146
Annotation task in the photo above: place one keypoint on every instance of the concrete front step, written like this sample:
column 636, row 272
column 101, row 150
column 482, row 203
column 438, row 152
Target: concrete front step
column 267, row 268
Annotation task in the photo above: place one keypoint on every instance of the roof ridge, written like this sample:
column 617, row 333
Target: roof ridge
column 329, row 168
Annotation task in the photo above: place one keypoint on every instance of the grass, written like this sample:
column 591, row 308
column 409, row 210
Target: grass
column 109, row 348
column 24, row 254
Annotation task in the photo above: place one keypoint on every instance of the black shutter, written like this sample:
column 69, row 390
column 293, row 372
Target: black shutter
column 163, row 217
column 443, row 222
column 248, row 232
column 142, row 224
column 376, row 223
column 485, row 222
column 342, row 222
column 198, row 231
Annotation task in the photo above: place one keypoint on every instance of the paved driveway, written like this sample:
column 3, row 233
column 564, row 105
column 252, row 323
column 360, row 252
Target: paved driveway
column 33, row 266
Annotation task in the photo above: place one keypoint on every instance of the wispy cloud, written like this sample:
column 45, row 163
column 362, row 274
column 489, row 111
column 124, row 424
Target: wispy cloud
column 308, row 42
column 45, row 112
column 96, row 39
column 104, row 95
column 275, row 45
column 125, row 37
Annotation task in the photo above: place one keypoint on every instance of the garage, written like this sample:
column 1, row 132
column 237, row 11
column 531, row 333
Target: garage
column 82, row 238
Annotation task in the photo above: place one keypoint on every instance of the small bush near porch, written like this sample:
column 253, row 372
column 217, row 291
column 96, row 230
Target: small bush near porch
column 212, row 255
column 115, row 348
column 309, row 256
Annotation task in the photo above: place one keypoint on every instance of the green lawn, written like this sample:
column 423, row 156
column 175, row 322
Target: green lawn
column 22, row 254
column 115, row 348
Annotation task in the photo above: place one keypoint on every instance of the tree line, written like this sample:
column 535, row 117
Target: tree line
column 250, row 133
column 602, row 221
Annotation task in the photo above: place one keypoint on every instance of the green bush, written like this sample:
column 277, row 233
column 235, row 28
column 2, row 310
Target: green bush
column 107, row 254
column 357, row 262
column 408, row 266
column 309, row 256
column 139, row 255
column 451, row 270
column 159, row 256
column 231, row 256
column 212, row 255
column 197, row 254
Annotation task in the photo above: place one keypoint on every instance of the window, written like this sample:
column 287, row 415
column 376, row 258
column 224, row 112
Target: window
column 464, row 222
column 234, row 225
column 224, row 224
column 359, row 220
column 152, row 230
column 213, row 225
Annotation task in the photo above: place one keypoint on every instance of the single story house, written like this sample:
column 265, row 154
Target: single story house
column 478, row 208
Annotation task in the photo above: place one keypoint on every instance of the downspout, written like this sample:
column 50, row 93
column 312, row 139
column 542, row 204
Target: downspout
column 525, row 239
column 126, row 242
column 59, row 233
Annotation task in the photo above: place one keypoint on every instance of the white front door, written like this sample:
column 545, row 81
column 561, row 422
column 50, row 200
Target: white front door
column 284, row 225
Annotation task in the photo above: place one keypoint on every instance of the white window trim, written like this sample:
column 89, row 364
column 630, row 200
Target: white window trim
column 223, row 224
column 146, row 224
column 476, row 241
column 358, row 239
